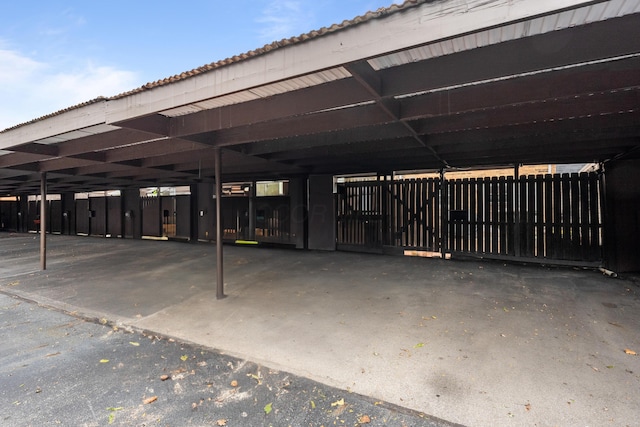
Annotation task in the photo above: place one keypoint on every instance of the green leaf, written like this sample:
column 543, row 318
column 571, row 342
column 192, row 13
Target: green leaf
column 104, row 360
column 112, row 415
column 184, row 358
column 134, row 343
column 267, row 408
column 313, row 405
column 419, row 345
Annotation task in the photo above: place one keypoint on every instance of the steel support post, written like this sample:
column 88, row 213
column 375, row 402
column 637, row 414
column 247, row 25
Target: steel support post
column 218, row 177
column 43, row 221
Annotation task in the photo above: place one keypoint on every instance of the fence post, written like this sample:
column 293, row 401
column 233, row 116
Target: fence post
column 444, row 217
column 516, row 241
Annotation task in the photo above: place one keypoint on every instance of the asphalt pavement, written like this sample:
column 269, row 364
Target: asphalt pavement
column 57, row 369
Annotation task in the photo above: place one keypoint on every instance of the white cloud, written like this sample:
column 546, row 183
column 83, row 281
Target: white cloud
column 31, row 89
column 283, row 19
column 13, row 67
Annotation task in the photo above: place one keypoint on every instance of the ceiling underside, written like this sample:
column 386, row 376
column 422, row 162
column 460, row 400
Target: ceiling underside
column 566, row 96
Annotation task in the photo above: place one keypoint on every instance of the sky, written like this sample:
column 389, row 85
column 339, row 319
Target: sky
column 55, row 54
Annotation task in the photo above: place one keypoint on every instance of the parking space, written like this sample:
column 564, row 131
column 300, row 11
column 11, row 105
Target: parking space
column 471, row 342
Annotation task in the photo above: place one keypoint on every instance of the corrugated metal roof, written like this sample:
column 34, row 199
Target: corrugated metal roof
column 595, row 12
column 262, row 91
column 536, row 26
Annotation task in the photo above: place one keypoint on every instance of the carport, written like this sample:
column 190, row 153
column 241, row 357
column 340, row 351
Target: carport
column 423, row 86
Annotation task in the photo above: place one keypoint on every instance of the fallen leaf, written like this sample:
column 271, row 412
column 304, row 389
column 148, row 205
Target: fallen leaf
column 364, row 419
column 184, row 358
column 631, row 352
column 527, row 406
column 112, row 415
column 164, row 377
column 419, row 345
column 338, row 403
column 234, row 383
column 134, row 343
column 150, row 400
column 313, row 405
column 221, row 422
column 267, row 408
column 104, row 360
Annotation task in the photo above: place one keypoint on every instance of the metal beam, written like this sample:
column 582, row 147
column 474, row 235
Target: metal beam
column 373, row 83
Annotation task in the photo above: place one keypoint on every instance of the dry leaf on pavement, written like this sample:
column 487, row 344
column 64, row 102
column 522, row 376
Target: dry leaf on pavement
column 364, row 419
column 338, row 403
column 150, row 400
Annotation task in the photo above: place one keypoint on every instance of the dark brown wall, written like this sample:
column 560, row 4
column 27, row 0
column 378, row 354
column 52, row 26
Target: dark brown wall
column 9, row 215
column 114, row 216
column 33, row 212
column 55, row 216
column 622, row 239
column 183, row 216
column 82, row 216
column 132, row 218
column 23, row 213
column 298, row 208
column 322, row 213
column 206, row 212
column 151, row 217
column 68, row 214
column 98, row 218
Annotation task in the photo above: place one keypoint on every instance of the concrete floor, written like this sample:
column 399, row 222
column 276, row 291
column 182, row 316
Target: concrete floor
column 471, row 342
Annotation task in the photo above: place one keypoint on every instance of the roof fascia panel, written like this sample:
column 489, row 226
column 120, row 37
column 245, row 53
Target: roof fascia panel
column 425, row 23
column 69, row 121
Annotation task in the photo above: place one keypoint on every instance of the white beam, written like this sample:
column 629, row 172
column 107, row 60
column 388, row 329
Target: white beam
column 67, row 121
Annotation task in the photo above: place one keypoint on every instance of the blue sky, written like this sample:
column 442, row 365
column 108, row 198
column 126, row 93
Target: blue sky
column 55, row 54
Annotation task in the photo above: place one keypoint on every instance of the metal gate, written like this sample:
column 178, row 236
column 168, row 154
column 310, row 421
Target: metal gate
column 546, row 218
